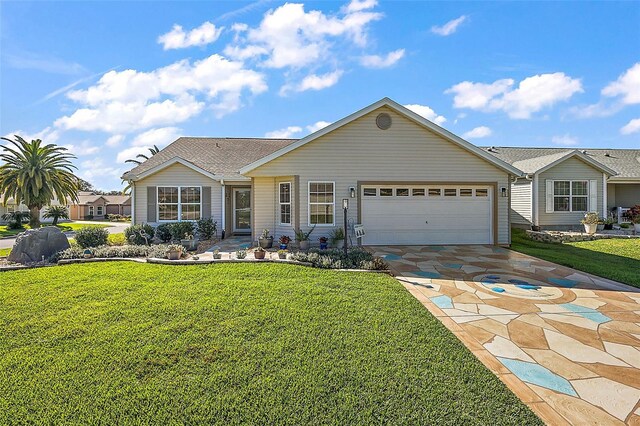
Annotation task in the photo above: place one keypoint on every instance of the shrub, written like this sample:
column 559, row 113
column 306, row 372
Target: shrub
column 207, row 228
column 126, row 251
column 160, row 251
column 163, row 232
column 335, row 259
column 180, row 229
column 241, row 254
column 116, row 240
column 139, row 234
column 90, row 236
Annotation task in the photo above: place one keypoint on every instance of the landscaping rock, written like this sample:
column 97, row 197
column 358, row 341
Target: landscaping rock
column 34, row 244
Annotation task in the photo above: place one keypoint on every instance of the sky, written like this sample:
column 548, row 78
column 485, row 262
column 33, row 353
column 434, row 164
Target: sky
column 109, row 79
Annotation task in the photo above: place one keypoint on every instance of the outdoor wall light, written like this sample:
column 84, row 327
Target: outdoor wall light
column 345, row 203
column 352, row 191
column 503, row 191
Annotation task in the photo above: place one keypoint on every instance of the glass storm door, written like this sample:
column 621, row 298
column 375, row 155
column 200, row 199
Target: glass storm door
column 242, row 210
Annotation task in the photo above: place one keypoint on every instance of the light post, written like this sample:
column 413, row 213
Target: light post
column 345, row 207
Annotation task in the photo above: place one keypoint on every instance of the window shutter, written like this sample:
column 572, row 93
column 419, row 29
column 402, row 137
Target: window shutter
column 549, row 197
column 593, row 195
column 152, row 203
column 206, row 202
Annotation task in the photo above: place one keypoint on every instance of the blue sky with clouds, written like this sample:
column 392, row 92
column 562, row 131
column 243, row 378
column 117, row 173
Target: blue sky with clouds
column 108, row 79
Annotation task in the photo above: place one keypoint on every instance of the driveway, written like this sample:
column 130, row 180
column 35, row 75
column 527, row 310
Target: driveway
column 565, row 342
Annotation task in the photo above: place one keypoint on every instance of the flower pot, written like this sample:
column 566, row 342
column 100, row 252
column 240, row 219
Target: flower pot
column 87, row 254
column 323, row 246
column 259, row 254
column 600, row 226
column 304, row 245
column 189, row 245
column 173, row 254
column 266, row 243
column 535, row 228
column 608, row 226
column 590, row 228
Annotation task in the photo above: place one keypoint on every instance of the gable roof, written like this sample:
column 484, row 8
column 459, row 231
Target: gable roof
column 625, row 163
column 540, row 164
column 222, row 157
column 88, row 198
column 386, row 102
column 117, row 199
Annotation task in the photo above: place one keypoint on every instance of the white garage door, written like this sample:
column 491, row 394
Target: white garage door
column 427, row 214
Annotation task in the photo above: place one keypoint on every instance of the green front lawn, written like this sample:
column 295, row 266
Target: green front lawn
column 5, row 251
column 616, row 259
column 64, row 227
column 124, row 343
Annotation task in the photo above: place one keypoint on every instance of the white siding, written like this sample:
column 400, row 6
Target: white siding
column 571, row 169
column 360, row 151
column 177, row 175
column 521, row 202
column 625, row 194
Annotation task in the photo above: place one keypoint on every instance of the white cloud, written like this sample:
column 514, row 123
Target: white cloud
column 46, row 135
column 43, row 62
column 83, row 148
column 312, row 128
column 313, row 82
column 159, row 137
column 450, row 27
column 565, row 140
column 632, row 126
column 99, row 173
column 130, row 100
column 627, row 86
column 427, row 113
column 288, row 36
column 531, row 95
column 177, row 38
column 285, row 133
column 599, row 109
column 360, row 5
column 131, row 152
column 378, row 61
column 477, row 133
column 115, row 140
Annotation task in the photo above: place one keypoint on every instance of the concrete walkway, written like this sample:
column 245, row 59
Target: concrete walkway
column 565, row 342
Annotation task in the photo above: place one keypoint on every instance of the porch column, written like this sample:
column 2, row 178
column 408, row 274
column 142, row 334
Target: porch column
column 224, row 207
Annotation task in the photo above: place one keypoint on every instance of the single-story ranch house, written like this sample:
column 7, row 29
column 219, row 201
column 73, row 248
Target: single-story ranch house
column 406, row 180
column 95, row 206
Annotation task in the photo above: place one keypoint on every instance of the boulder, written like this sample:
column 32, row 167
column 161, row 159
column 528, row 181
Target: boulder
column 34, row 244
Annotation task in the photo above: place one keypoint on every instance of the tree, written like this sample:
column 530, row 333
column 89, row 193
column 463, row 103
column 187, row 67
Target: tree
column 16, row 219
column 85, row 186
column 34, row 174
column 153, row 151
column 56, row 213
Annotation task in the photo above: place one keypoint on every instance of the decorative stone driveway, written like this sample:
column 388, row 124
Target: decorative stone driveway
column 565, row 342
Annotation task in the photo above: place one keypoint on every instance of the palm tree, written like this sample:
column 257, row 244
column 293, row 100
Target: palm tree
column 56, row 213
column 34, row 174
column 16, row 219
column 153, row 151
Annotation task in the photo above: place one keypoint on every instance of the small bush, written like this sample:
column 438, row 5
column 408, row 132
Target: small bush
column 116, row 240
column 241, row 254
column 179, row 229
column 126, row 251
column 335, row 259
column 91, row 237
column 160, row 251
column 207, row 228
column 139, row 234
column 163, row 232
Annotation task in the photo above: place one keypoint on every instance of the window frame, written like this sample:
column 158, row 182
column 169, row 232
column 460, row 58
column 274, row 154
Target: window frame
column 570, row 195
column 99, row 210
column 309, row 203
column 281, row 203
column 179, row 204
column 91, row 211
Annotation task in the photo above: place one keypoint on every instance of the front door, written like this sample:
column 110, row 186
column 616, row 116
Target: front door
column 242, row 210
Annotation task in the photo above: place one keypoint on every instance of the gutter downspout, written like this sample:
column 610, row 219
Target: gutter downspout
column 224, row 207
column 133, row 202
column 534, row 204
column 605, row 213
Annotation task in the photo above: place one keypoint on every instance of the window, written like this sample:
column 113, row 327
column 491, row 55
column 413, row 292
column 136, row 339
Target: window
column 370, row 192
column 177, row 203
column 386, row 192
column 435, row 192
column 90, row 210
column 321, row 203
column 570, row 196
column 100, row 210
column 450, row 192
column 285, row 203
column 418, row 192
column 402, row 192
column 465, row 192
column 482, row 192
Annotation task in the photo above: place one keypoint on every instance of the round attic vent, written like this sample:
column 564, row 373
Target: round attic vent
column 383, row 121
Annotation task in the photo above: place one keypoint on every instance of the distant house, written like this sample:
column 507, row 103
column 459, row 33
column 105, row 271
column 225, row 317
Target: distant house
column 95, row 206
column 12, row 207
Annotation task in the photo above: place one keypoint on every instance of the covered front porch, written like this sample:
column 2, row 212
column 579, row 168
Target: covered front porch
column 620, row 197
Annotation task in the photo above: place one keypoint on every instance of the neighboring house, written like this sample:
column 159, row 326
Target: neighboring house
column 407, row 180
column 12, row 207
column 92, row 205
column 560, row 185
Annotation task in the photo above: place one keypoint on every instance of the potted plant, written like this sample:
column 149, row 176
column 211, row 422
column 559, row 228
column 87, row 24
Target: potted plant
column 323, row 243
column 337, row 238
column 600, row 226
column 174, row 251
column 608, row 224
column 241, row 254
column 634, row 215
column 266, row 240
column 189, row 243
column 590, row 222
column 282, row 254
column 216, row 254
column 303, row 238
column 284, row 242
column 259, row 253
column 87, row 253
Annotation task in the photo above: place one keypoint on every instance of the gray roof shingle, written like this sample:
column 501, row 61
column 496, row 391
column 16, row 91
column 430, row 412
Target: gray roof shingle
column 220, row 156
column 626, row 162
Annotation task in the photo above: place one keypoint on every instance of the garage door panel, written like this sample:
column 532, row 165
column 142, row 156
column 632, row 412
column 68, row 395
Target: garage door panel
column 425, row 220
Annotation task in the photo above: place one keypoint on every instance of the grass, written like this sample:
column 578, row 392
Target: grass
column 124, row 343
column 5, row 252
column 616, row 259
column 64, row 227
